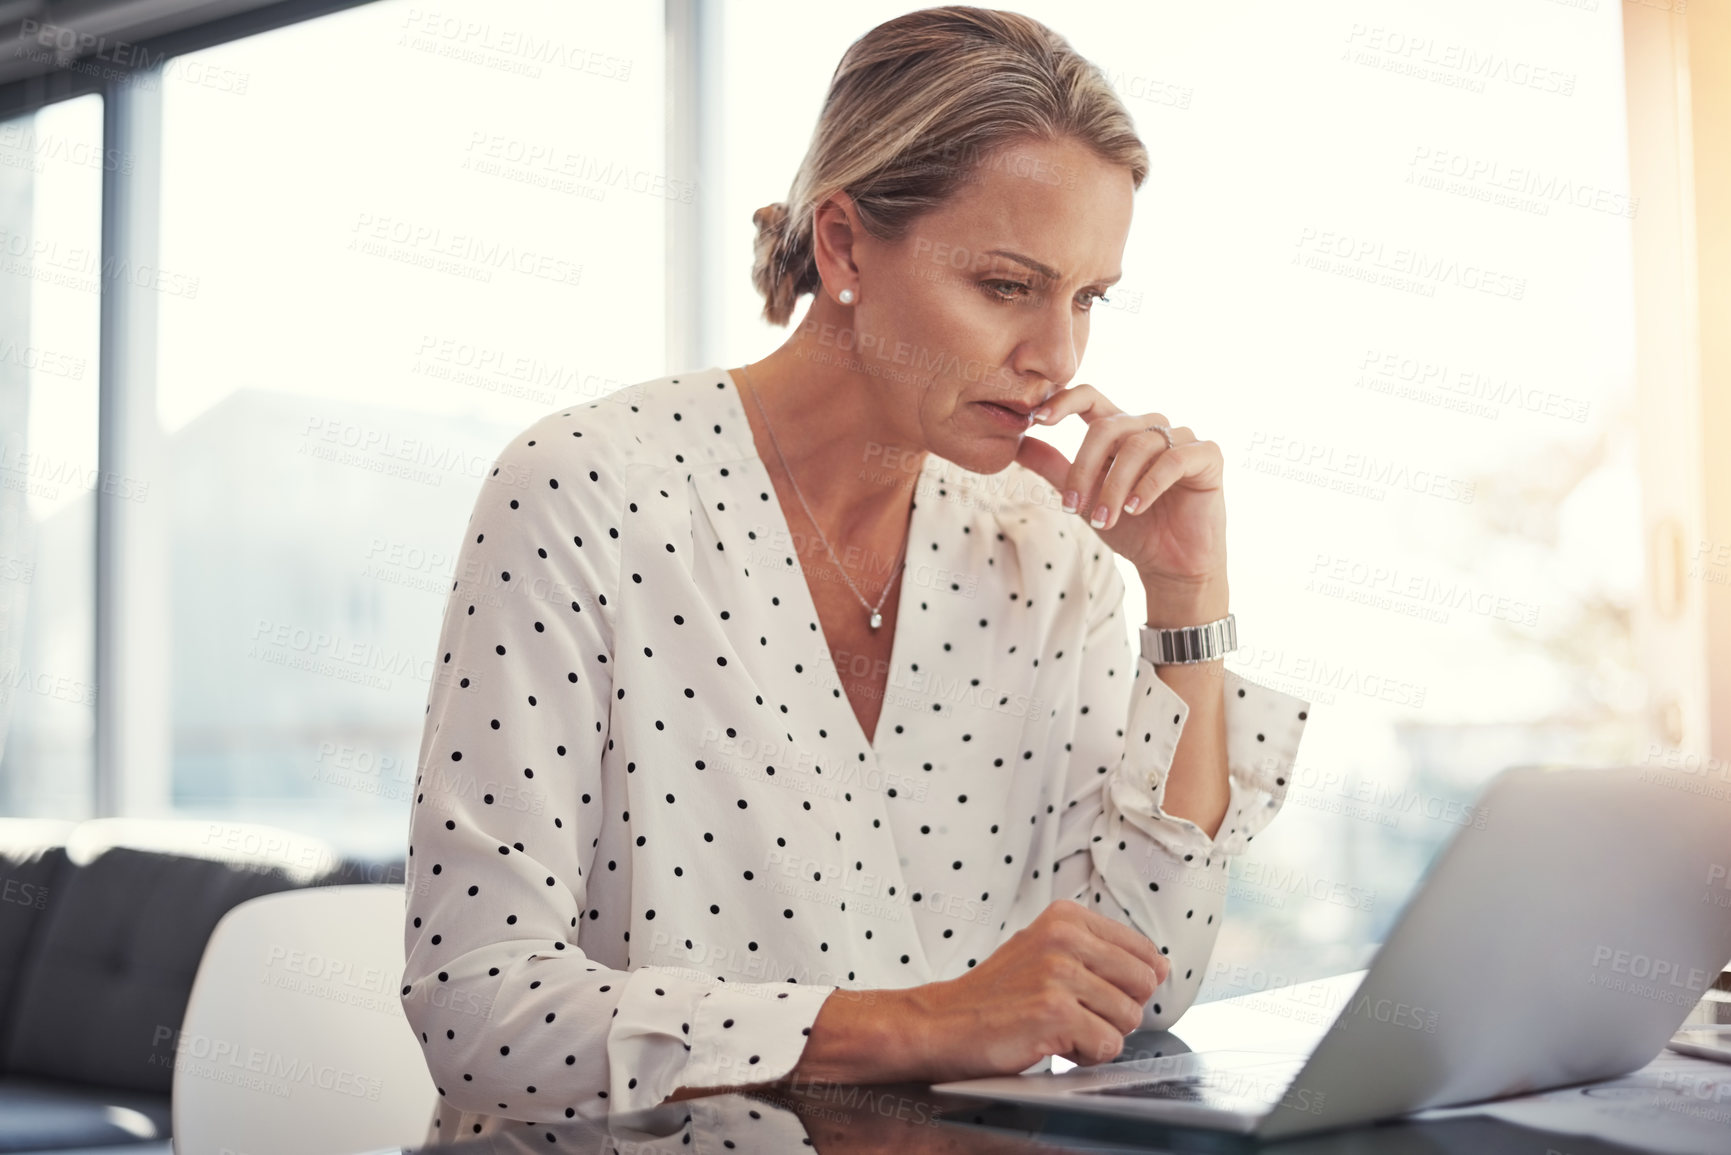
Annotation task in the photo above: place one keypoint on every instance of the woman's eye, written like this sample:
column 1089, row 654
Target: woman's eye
column 993, row 291
column 997, row 291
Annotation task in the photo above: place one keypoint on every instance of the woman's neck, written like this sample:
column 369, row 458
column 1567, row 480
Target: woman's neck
column 847, row 461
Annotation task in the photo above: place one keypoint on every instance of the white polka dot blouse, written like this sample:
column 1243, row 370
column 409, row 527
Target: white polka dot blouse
column 649, row 835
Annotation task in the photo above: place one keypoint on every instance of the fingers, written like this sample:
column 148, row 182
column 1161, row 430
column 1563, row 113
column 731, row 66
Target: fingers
column 1117, row 954
column 1107, row 997
column 1143, row 467
column 1199, row 461
column 1079, row 982
column 1127, row 939
column 1085, row 400
column 1102, row 441
column 1131, row 976
column 1096, row 1039
column 1128, row 439
column 1119, row 461
column 1199, row 464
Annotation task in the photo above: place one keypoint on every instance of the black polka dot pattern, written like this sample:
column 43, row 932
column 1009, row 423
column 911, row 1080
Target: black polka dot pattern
column 649, row 835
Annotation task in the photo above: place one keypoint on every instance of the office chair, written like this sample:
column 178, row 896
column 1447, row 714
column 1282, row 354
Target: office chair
column 294, row 1041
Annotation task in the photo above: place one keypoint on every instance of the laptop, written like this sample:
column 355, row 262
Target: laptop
column 1563, row 941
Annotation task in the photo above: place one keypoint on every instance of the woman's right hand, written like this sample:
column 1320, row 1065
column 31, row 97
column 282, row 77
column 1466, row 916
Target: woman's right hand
column 1072, row 983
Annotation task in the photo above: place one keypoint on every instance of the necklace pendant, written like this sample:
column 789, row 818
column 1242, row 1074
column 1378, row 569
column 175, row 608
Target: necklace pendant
column 877, row 619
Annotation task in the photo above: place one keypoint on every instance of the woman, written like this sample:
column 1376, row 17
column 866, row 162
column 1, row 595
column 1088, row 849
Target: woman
column 783, row 726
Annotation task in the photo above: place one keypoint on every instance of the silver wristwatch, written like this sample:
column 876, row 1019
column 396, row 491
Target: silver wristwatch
column 1183, row 644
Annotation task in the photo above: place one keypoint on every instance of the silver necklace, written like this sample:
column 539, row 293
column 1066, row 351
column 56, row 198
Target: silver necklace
column 877, row 617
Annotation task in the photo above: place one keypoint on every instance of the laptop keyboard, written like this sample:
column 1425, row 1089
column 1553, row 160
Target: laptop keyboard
column 1183, row 1088
column 1261, row 1083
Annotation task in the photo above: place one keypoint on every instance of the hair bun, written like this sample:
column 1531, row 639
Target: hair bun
column 771, row 218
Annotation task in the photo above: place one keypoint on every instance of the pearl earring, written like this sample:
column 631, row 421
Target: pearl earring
column 846, row 296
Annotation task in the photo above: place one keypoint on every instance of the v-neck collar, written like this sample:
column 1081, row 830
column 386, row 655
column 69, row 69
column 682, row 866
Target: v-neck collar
column 740, row 435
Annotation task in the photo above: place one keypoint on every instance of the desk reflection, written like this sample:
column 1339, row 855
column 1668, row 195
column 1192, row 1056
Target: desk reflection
column 911, row 1119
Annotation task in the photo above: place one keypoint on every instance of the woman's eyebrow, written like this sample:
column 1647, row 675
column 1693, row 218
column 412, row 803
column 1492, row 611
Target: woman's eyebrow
column 1045, row 270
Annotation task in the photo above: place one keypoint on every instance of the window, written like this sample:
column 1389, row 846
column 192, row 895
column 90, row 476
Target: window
column 446, row 228
column 51, row 165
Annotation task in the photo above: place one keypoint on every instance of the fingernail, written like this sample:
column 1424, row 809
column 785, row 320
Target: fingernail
column 1040, row 414
column 1099, row 518
column 1133, row 504
column 1071, row 500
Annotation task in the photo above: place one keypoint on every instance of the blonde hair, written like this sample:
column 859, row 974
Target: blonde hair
column 915, row 107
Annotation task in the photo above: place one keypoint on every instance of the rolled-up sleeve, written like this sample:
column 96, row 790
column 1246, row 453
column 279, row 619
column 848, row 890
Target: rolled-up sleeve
column 1119, row 852
column 513, row 1018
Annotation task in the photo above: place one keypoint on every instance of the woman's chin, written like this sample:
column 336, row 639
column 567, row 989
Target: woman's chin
column 985, row 455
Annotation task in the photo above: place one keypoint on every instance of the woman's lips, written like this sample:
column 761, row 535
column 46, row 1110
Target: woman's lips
column 1008, row 418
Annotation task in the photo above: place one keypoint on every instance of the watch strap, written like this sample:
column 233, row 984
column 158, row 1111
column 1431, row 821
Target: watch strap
column 1181, row 645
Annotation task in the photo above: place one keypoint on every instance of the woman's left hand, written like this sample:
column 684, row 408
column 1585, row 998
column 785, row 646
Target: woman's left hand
column 1176, row 533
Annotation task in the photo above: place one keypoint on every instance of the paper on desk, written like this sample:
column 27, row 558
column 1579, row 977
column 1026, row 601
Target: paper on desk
column 1676, row 1104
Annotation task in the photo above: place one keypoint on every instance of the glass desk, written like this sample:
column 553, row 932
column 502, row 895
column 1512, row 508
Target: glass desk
column 1676, row 1105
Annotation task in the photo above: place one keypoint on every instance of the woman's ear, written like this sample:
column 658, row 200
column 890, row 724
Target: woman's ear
column 834, row 232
